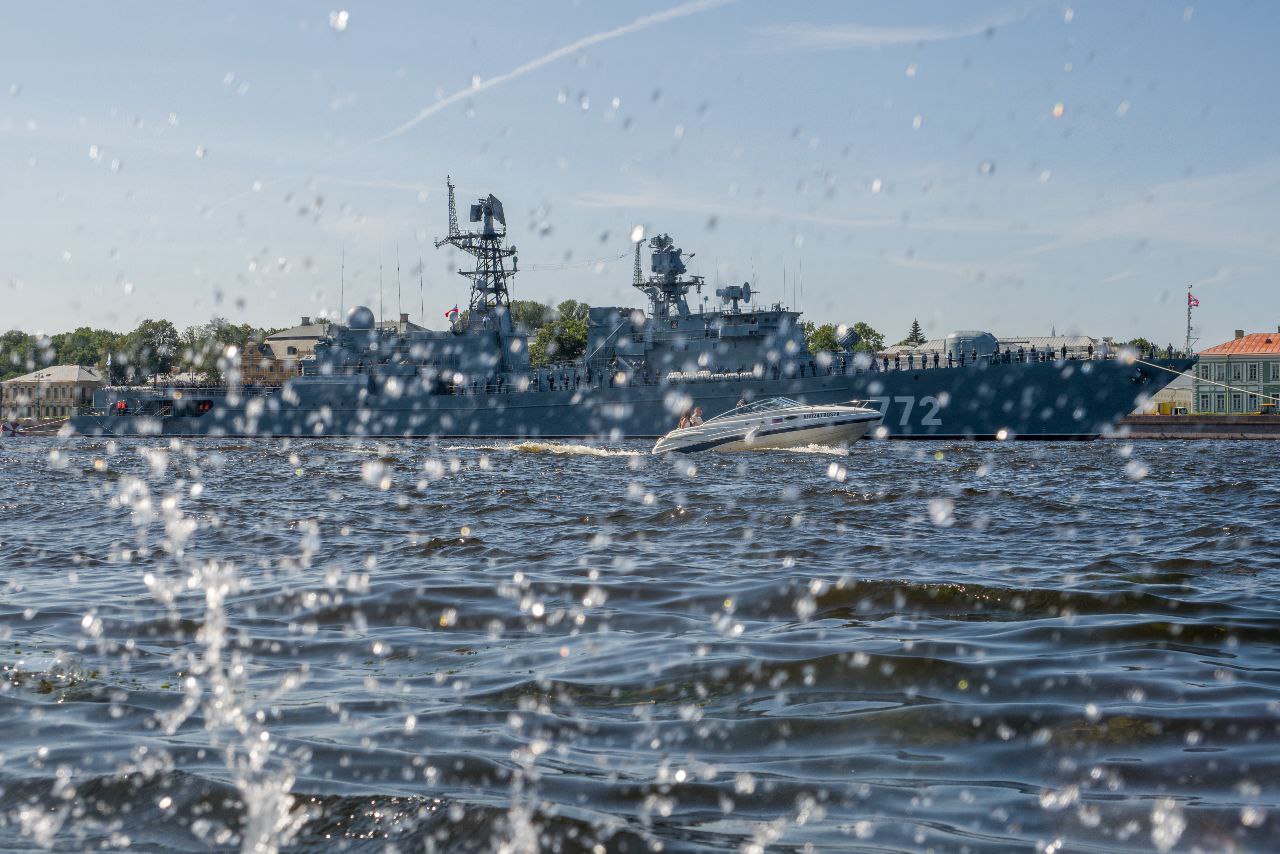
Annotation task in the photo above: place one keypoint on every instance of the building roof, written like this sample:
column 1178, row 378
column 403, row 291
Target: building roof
column 59, row 374
column 1255, row 343
column 308, row 331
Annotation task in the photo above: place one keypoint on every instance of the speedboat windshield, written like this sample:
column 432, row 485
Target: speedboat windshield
column 766, row 405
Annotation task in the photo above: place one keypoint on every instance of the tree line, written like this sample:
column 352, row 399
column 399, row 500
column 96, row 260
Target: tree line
column 153, row 348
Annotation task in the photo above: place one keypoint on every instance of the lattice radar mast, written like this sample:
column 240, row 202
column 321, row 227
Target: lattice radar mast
column 489, row 306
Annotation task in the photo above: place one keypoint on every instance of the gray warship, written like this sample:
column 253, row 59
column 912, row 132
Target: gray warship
column 640, row 370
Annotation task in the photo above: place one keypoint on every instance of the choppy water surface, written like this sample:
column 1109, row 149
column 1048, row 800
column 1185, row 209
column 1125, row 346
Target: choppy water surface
column 327, row 644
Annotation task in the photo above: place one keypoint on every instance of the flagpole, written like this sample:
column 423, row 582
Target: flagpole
column 1188, row 344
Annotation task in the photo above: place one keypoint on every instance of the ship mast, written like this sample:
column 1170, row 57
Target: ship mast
column 666, row 290
column 488, row 307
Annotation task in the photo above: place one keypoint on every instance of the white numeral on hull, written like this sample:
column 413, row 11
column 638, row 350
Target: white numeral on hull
column 908, row 403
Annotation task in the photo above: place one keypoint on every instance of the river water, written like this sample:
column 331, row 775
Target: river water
column 339, row 645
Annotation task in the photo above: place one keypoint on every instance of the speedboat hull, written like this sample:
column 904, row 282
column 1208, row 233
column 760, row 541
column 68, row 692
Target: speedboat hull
column 797, row 427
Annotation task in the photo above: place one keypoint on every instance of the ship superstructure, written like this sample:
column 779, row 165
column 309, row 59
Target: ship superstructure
column 642, row 368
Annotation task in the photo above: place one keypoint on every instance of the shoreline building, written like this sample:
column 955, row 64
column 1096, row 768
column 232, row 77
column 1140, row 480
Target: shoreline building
column 1240, row 376
column 49, row 393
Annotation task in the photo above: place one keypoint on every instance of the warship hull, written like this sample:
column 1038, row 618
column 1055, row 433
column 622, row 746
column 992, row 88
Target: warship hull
column 1063, row 400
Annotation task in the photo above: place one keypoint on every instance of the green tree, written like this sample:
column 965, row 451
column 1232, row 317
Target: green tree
column 17, row 354
column 86, row 346
column 820, row 338
column 1142, row 345
column 562, row 339
column 915, row 337
column 153, row 348
column 869, row 340
column 529, row 315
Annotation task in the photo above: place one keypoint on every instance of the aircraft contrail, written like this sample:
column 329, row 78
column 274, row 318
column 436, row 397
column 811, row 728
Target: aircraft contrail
column 641, row 23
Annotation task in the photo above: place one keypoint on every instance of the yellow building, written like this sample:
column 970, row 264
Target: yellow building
column 48, row 394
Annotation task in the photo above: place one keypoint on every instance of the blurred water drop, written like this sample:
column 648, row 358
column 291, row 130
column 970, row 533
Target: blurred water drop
column 986, row 167
column 911, row 70
column 917, row 122
column 1068, row 15
column 1122, row 109
column 877, row 185
column 95, row 153
column 616, row 102
column 338, row 20
column 200, row 151
column 1058, row 110
column 128, row 287
column 637, row 234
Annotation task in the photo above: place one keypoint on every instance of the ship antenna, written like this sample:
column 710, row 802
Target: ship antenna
column 399, row 303
column 422, row 299
column 342, row 285
column 453, row 207
column 380, row 314
column 637, row 278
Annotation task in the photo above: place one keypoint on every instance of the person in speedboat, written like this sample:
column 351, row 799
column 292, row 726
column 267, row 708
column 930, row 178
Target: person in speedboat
column 696, row 418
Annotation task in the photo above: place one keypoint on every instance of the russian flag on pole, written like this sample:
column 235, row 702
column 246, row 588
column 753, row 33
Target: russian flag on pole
column 1192, row 302
column 452, row 314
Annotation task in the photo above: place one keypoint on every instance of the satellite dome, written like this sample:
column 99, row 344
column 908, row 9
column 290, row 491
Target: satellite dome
column 360, row 318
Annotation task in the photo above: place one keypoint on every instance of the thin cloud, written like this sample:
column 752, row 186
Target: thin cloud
column 1227, row 212
column 641, row 23
column 675, row 201
column 1224, row 274
column 806, row 37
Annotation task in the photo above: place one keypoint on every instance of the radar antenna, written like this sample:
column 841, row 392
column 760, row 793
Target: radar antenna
column 489, row 306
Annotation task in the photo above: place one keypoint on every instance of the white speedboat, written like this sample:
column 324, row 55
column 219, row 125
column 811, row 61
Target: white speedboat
column 778, row 422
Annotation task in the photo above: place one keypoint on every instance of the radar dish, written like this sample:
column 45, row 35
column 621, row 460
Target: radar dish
column 746, row 292
column 495, row 207
column 360, row 318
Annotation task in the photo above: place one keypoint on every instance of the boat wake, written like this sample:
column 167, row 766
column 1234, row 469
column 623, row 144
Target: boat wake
column 569, row 450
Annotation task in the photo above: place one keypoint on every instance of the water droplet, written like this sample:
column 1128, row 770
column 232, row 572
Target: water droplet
column 877, row 185
column 1068, row 15
column 128, row 287
column 94, row 152
column 679, row 132
column 911, row 69
column 1058, row 110
column 917, row 122
column 1187, row 13
column 475, row 81
column 986, row 167
column 257, row 186
column 15, row 89
column 616, row 102
column 1045, row 175
column 562, row 97
column 637, row 234
column 338, row 20
column 115, row 165
column 1122, row 108
column 173, row 119
column 200, row 151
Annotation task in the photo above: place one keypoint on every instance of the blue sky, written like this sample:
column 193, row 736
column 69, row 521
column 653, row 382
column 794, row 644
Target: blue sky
column 1015, row 167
